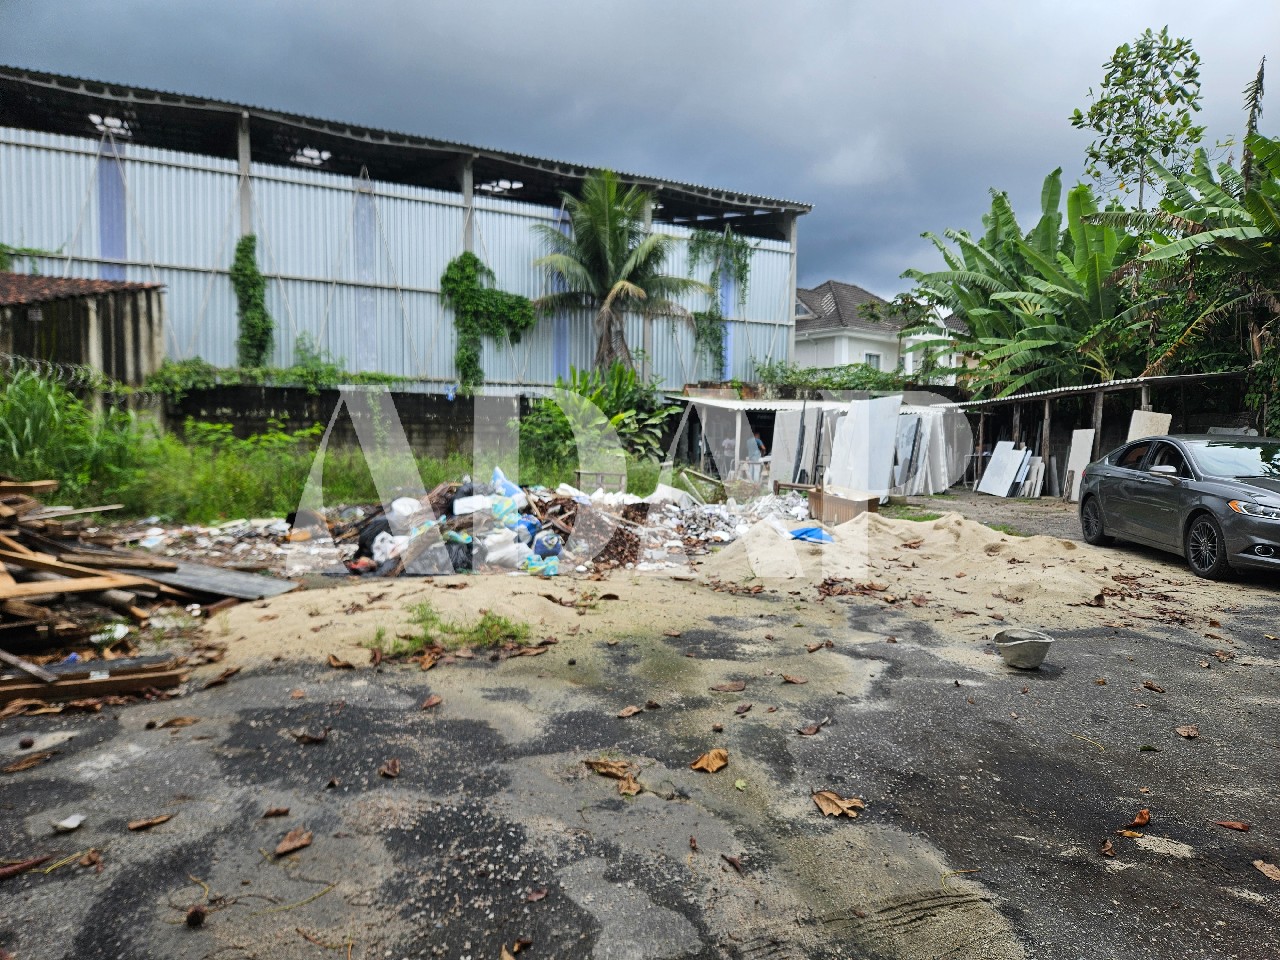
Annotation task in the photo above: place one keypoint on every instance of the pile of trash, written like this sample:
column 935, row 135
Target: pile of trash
column 466, row 526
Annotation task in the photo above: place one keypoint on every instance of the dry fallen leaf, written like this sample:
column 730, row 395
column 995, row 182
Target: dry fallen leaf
column 671, row 633
column 1153, row 686
column 791, row 678
column 630, row 711
column 733, row 686
column 149, row 822
column 432, row 701
column 1268, row 869
column 617, row 769
column 524, row 943
column 833, row 805
column 506, row 954
column 652, row 705
column 533, row 896
column 337, row 664
column 29, row 761
column 1232, row 825
column 92, row 858
column 735, row 862
column 628, row 786
column 390, row 769
column 742, row 708
column 1130, row 834
column 1142, row 819
column 297, row 694
column 222, row 678
column 295, row 839
column 693, row 843
column 1190, row 731
column 179, row 722
column 1108, row 849
column 810, row 730
column 276, row 812
column 712, row 760
column 302, row 736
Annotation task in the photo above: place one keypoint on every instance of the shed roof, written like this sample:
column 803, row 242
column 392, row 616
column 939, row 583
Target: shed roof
column 18, row 289
column 54, row 103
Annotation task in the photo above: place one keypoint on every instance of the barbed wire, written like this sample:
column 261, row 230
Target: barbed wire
column 73, row 375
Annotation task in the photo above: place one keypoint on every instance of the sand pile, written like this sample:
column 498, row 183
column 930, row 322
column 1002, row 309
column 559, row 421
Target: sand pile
column 976, row 579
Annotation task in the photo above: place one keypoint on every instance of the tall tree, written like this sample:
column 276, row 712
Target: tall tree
column 1142, row 112
column 611, row 263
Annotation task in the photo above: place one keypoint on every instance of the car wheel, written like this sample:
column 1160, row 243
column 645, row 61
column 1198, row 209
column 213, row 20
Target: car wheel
column 1206, row 548
column 1091, row 523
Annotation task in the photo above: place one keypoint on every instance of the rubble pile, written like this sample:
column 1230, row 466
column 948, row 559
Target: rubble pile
column 78, row 610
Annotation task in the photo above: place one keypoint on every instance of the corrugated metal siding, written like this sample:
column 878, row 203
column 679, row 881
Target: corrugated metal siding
column 368, row 296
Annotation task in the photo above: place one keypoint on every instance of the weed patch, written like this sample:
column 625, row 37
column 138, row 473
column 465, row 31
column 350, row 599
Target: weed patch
column 490, row 630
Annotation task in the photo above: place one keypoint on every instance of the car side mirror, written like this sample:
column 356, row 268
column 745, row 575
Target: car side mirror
column 1168, row 471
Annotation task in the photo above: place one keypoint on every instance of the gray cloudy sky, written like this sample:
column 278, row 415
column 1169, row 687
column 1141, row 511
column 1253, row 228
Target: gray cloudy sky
column 891, row 118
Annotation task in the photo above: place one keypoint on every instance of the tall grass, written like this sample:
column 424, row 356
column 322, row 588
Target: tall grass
column 47, row 432
column 207, row 474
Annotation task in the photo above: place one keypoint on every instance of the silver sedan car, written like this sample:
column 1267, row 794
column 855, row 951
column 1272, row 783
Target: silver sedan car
column 1213, row 499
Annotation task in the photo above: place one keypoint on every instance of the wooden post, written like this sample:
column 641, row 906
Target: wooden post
column 1097, row 423
column 1017, row 423
column 1046, row 435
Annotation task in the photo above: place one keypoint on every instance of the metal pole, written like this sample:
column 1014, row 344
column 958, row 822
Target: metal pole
column 244, row 155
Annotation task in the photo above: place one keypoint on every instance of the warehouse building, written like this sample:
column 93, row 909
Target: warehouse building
column 354, row 227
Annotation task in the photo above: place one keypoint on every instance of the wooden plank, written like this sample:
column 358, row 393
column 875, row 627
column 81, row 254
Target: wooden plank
column 25, row 611
column 88, row 687
column 29, row 487
column 42, row 588
column 113, row 561
column 57, row 513
column 154, row 663
column 42, row 561
column 38, row 672
column 9, row 543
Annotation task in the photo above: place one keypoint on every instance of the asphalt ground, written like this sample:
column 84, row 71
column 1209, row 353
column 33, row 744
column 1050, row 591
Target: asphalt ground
column 990, row 794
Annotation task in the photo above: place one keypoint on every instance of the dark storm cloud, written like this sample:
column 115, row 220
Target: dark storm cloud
column 890, row 118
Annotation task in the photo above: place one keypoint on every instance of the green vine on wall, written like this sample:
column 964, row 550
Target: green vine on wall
column 729, row 255
column 253, row 347
column 709, row 334
column 480, row 311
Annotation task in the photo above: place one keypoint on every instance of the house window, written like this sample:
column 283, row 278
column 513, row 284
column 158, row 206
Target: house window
column 872, row 360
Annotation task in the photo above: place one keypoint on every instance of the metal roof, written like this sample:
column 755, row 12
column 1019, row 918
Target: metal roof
column 54, row 103
column 1110, row 386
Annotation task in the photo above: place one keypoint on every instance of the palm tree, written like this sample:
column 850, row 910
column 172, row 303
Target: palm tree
column 610, row 263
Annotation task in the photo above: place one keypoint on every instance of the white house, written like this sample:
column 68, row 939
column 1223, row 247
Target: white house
column 834, row 328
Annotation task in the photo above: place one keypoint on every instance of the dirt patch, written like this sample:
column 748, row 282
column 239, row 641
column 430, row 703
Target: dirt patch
column 970, row 580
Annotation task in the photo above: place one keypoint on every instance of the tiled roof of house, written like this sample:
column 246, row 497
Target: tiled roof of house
column 839, row 306
column 836, row 306
column 17, row 289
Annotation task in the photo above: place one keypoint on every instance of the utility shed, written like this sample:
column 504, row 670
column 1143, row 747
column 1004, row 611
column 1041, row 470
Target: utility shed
column 114, row 327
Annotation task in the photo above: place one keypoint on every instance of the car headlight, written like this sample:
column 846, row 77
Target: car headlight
column 1251, row 509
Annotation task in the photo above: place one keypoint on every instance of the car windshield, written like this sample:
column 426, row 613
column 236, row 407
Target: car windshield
column 1237, row 458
